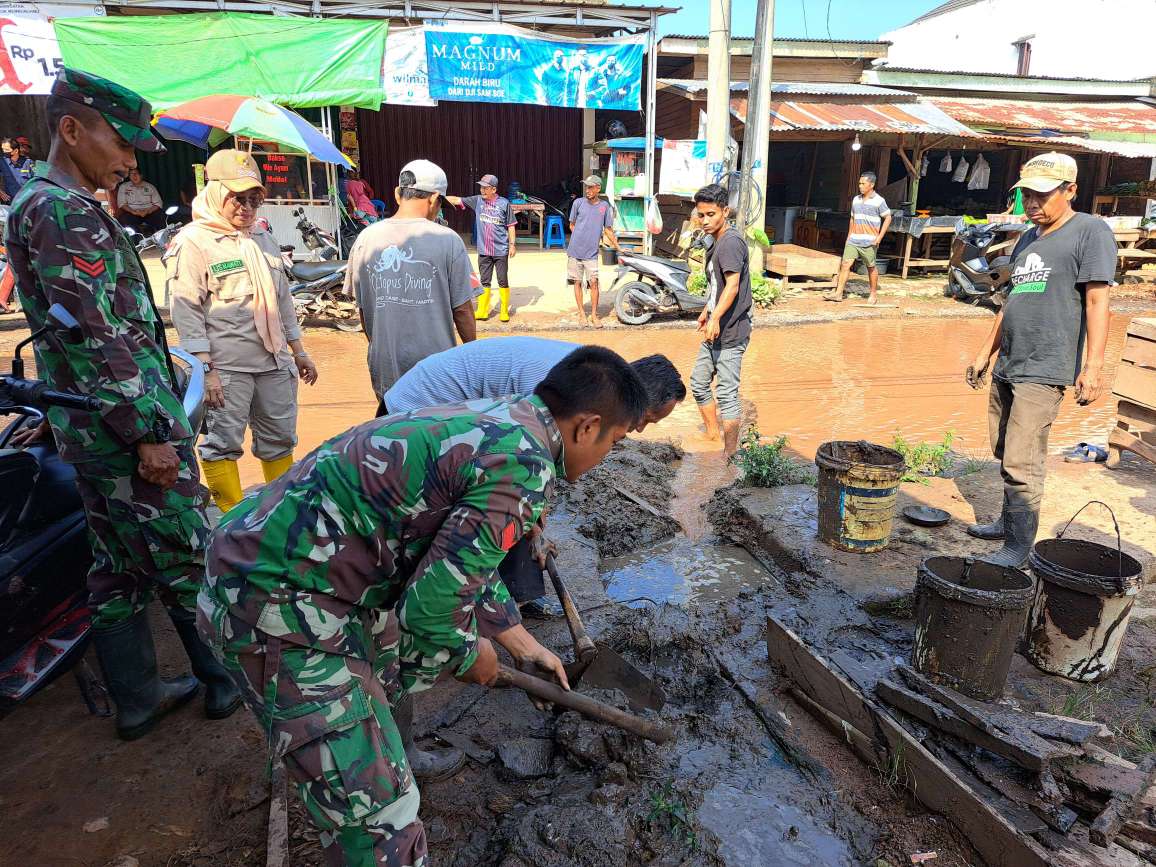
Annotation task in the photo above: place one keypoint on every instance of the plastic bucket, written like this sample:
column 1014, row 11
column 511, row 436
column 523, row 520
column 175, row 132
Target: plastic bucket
column 609, row 256
column 1084, row 597
column 858, row 482
column 969, row 616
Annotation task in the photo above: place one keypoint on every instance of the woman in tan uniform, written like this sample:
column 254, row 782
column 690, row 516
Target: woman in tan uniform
column 232, row 308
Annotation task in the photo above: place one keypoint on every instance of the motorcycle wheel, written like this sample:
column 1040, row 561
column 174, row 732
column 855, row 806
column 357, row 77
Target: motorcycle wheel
column 349, row 326
column 629, row 310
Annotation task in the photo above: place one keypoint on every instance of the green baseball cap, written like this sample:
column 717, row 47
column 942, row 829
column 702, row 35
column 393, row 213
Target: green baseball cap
column 126, row 111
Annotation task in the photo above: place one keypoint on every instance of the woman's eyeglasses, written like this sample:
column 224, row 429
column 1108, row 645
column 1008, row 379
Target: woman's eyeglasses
column 251, row 202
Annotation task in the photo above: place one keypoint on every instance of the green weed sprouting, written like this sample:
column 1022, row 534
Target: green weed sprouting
column 763, row 464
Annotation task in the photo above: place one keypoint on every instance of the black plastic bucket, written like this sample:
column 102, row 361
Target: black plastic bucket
column 1083, row 601
column 968, row 619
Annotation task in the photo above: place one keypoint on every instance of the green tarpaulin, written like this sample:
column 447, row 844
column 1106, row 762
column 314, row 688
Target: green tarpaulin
column 173, row 58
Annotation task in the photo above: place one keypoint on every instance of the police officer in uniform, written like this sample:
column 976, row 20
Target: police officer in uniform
column 133, row 458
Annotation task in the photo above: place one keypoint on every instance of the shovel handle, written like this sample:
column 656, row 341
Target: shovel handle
column 584, row 648
column 585, row 705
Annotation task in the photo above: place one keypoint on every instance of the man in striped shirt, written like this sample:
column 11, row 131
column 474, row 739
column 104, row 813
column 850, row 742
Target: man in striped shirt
column 496, row 230
column 870, row 218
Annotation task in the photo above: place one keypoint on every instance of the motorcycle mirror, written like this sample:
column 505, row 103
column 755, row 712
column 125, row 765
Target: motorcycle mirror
column 170, row 210
column 64, row 324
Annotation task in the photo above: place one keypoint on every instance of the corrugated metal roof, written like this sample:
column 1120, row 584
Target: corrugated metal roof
column 783, row 39
column 944, row 8
column 808, row 88
column 1093, row 145
column 916, row 117
column 972, row 74
column 1063, row 117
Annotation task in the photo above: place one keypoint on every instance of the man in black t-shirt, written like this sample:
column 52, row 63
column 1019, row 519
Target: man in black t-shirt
column 1057, row 302
column 725, row 322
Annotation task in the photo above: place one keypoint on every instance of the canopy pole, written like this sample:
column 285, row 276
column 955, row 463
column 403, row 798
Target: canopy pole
column 651, row 99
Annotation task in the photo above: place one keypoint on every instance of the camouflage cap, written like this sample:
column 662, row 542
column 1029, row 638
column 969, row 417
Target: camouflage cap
column 126, row 111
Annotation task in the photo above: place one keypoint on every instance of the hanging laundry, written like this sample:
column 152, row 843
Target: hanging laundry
column 923, row 166
column 945, row 163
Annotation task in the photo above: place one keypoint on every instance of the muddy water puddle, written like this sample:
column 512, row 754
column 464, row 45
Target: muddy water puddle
column 680, row 571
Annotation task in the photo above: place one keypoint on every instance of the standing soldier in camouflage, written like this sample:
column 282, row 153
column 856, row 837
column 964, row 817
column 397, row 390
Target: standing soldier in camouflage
column 133, row 458
column 370, row 566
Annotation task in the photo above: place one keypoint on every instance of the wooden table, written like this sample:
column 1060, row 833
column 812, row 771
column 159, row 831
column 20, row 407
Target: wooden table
column 1135, row 386
column 1132, row 244
column 532, row 210
column 924, row 261
column 791, row 260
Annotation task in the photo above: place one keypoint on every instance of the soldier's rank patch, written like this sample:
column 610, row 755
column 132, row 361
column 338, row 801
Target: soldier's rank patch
column 92, row 269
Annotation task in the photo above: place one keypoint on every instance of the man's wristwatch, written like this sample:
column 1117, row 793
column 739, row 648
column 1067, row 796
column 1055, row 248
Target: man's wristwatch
column 161, row 433
column 208, row 366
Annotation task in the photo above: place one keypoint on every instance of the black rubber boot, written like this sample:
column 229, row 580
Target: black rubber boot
column 991, row 532
column 222, row 696
column 1020, row 530
column 426, row 765
column 128, row 662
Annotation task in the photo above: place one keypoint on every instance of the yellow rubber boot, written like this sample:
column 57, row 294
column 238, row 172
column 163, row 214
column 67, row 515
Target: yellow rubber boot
column 276, row 468
column 483, row 311
column 504, row 294
column 224, row 482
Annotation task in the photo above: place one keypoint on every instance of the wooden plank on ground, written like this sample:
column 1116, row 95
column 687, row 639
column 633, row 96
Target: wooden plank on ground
column 1005, row 725
column 1121, row 807
column 1136, row 384
column 1029, row 756
column 1022, row 819
column 1139, row 352
column 1143, row 326
column 1008, row 780
column 1122, row 439
column 932, row 783
column 638, row 501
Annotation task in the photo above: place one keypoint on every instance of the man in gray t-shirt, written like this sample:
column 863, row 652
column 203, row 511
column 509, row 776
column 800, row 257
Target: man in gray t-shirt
column 591, row 220
column 412, row 279
column 1057, row 301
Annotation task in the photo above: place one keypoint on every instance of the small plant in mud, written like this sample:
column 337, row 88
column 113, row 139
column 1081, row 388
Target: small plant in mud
column 894, row 772
column 764, row 291
column 696, row 284
column 925, row 459
column 763, row 464
column 668, row 813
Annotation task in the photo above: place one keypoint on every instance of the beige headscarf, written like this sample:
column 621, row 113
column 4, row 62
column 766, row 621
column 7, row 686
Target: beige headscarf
column 208, row 214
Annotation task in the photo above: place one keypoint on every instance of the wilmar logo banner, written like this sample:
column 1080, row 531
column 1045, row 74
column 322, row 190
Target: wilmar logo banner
column 470, row 63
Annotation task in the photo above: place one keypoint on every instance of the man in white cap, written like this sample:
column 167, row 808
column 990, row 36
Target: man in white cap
column 412, row 279
column 1055, row 315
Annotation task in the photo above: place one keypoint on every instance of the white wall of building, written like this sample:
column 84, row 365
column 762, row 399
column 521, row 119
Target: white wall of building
column 1104, row 39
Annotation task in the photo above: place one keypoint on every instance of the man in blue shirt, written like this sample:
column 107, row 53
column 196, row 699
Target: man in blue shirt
column 493, row 220
column 591, row 220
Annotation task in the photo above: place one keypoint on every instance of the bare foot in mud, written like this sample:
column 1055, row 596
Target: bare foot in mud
column 829, row 297
column 872, row 300
column 597, row 321
column 583, row 321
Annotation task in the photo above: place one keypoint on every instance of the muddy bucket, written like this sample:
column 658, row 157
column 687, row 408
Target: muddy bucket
column 858, row 482
column 969, row 616
column 1083, row 600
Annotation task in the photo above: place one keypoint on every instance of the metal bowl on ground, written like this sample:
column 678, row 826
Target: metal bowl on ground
column 926, row 516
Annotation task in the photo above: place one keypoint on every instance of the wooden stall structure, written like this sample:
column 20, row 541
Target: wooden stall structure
column 1135, row 387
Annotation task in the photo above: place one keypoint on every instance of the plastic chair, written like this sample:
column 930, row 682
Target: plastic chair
column 555, row 234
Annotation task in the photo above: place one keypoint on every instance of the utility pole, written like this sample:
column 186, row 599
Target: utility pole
column 757, row 136
column 718, row 94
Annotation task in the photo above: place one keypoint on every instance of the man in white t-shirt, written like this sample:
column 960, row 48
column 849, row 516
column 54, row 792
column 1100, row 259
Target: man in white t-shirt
column 138, row 204
column 870, row 219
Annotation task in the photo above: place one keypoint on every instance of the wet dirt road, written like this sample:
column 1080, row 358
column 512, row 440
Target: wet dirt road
column 854, row 380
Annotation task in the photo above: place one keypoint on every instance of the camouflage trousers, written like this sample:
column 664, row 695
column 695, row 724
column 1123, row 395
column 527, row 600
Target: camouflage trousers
column 328, row 717
column 143, row 539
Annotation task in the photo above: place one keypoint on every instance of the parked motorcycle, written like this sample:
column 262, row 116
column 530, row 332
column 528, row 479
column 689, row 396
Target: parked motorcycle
column 321, row 245
column 44, row 552
column 159, row 240
column 319, row 293
column 974, row 274
column 655, row 285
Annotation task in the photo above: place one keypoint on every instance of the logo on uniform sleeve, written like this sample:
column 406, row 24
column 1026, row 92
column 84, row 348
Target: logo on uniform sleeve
column 1031, row 275
column 92, row 269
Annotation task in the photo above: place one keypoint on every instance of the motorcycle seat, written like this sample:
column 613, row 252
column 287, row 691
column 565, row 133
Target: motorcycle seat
column 308, row 271
column 676, row 264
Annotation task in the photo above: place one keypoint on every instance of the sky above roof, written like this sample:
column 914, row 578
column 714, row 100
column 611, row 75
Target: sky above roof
column 847, row 19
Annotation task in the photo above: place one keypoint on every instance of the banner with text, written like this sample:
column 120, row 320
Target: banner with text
column 472, row 63
column 406, row 75
column 683, row 168
column 29, row 53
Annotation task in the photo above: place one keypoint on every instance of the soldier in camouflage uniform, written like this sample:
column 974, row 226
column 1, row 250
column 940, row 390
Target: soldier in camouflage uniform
column 370, row 566
column 142, row 494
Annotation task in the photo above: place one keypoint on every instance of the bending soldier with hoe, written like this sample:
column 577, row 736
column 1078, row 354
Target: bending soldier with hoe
column 370, row 566
column 134, row 465
column 1058, row 300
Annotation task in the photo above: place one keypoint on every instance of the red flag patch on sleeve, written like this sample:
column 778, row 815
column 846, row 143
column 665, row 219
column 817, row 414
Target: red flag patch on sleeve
column 92, row 269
